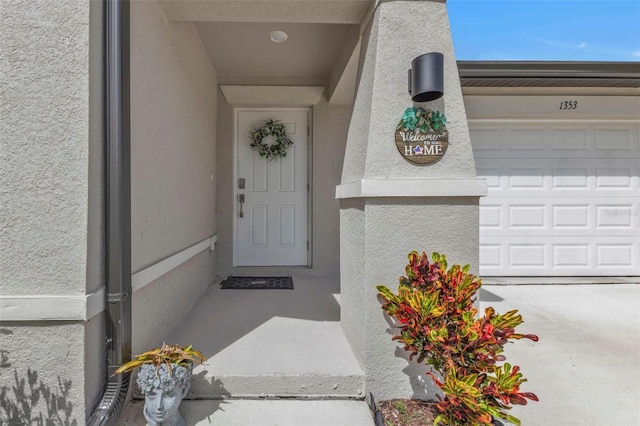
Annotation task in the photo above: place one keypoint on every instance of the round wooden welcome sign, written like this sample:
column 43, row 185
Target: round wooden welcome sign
column 422, row 136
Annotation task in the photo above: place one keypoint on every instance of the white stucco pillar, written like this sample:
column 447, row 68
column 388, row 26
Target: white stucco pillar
column 390, row 206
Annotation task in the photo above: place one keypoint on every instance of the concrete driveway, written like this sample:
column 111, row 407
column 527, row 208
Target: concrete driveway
column 586, row 367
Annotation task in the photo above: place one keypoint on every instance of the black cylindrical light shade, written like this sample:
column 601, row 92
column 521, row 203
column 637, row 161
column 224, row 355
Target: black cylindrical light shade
column 426, row 77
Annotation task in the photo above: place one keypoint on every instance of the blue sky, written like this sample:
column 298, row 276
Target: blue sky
column 560, row 30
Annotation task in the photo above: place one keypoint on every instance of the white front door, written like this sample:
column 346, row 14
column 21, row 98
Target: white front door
column 271, row 222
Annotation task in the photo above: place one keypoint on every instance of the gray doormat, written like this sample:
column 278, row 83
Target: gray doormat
column 257, row 283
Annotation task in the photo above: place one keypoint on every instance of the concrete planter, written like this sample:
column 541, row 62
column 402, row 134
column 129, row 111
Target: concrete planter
column 163, row 392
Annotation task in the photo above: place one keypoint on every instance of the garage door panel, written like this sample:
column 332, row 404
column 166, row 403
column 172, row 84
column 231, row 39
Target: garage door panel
column 583, row 174
column 614, row 139
column 562, row 200
column 563, row 142
column 558, row 217
column 491, row 256
column 488, row 140
column 565, row 217
column 616, row 255
column 573, row 256
column 525, row 140
column 616, row 178
column 570, row 178
column 616, row 216
column 526, row 177
column 491, row 216
column 535, row 234
column 527, row 216
column 570, row 140
column 527, row 255
column 565, row 196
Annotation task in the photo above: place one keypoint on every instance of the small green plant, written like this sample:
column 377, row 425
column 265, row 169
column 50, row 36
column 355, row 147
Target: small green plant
column 421, row 119
column 438, row 324
column 167, row 354
column 401, row 407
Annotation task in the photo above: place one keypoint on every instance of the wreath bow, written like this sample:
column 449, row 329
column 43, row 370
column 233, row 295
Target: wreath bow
column 279, row 148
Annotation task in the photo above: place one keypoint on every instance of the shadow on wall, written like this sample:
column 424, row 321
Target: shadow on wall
column 30, row 402
column 487, row 296
column 423, row 386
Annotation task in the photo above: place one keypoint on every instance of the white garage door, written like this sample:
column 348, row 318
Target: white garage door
column 563, row 198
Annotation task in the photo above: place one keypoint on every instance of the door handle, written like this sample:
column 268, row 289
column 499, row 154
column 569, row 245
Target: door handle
column 241, row 201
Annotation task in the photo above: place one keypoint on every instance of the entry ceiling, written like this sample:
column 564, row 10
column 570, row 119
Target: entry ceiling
column 322, row 39
column 243, row 53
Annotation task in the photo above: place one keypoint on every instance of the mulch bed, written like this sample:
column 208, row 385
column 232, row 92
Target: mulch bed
column 407, row 412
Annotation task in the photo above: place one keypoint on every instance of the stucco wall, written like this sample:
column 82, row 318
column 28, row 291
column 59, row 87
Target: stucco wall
column 51, row 181
column 96, row 249
column 44, row 153
column 52, row 372
column 173, row 169
column 352, row 275
column 159, row 306
column 224, row 187
column 445, row 225
column 330, row 123
column 95, row 361
column 173, row 136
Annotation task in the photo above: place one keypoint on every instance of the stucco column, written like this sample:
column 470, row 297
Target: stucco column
column 390, row 206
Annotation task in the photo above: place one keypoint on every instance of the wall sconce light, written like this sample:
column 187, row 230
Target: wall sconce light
column 426, row 77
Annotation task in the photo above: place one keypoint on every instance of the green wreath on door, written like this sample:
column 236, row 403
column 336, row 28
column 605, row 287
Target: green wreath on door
column 279, row 148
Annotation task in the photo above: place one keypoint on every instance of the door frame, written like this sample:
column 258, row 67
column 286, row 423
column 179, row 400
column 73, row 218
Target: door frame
column 236, row 142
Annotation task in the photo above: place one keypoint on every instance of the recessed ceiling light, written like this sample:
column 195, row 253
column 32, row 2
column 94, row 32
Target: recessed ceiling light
column 278, row 36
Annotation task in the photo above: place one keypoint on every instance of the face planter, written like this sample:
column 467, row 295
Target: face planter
column 163, row 393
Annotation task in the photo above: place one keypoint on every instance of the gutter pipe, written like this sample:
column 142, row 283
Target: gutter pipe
column 548, row 69
column 118, row 211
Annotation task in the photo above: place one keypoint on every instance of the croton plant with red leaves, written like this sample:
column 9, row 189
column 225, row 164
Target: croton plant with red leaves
column 439, row 324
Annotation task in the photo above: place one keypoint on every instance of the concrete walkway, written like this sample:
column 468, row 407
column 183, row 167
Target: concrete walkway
column 585, row 369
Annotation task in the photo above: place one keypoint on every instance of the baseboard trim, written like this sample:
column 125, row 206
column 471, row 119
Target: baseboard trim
column 51, row 307
column 148, row 275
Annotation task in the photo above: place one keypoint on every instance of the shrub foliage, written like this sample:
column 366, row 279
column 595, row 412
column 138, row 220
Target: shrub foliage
column 439, row 325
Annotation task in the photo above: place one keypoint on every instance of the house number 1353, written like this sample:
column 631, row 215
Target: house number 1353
column 569, row 105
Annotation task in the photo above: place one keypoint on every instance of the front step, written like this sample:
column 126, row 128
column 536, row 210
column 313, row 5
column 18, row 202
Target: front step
column 278, row 386
column 271, row 343
column 283, row 364
column 261, row 413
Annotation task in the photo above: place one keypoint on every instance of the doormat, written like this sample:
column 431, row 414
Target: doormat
column 257, row 283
